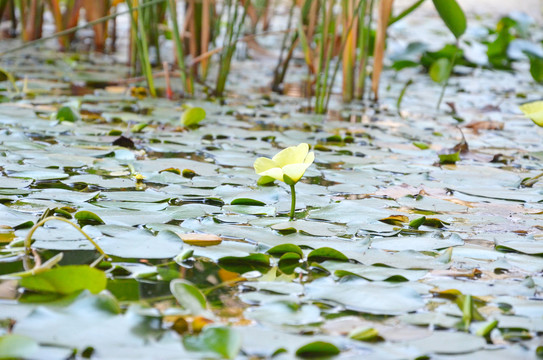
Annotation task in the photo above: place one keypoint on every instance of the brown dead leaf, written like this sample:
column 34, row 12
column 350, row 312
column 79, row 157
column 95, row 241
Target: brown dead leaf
column 397, row 220
column 485, row 125
column 490, row 108
column 200, row 239
column 457, row 273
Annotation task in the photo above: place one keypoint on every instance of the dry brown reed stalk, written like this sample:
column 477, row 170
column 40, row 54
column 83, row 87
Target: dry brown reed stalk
column 385, row 7
column 205, row 36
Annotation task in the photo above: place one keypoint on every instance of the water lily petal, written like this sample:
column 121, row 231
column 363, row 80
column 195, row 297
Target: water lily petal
column 295, row 171
column 534, row 111
column 263, row 164
column 309, row 158
column 291, row 155
column 275, row 173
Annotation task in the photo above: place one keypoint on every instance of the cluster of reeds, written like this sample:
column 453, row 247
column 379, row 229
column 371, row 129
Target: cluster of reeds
column 195, row 35
column 332, row 34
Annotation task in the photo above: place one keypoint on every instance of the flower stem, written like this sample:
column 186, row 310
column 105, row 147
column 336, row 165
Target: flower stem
column 293, row 201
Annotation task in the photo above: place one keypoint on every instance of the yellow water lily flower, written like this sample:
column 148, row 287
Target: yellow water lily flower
column 289, row 165
column 534, row 111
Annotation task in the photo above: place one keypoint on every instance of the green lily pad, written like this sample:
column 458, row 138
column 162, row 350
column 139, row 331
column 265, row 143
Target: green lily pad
column 449, row 158
column 17, row 346
column 193, row 116
column 67, row 113
column 326, row 253
column 362, row 296
column 258, row 262
column 65, row 280
column 317, row 349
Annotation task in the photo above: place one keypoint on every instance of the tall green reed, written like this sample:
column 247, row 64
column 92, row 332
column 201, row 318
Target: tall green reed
column 140, row 39
column 235, row 23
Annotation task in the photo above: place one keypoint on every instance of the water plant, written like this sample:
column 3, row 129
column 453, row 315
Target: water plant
column 235, row 20
column 534, row 111
column 454, row 18
column 289, row 165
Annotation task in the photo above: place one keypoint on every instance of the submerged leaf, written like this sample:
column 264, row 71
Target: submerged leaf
column 17, row 346
column 223, row 341
column 188, row 296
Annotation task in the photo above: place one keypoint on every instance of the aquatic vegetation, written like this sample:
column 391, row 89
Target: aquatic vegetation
column 288, row 166
column 192, row 116
column 168, row 249
column 534, row 111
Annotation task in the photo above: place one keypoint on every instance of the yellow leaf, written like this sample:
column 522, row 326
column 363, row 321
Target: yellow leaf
column 200, row 239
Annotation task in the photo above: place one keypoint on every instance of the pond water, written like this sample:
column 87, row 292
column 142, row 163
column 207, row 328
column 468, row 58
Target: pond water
column 392, row 255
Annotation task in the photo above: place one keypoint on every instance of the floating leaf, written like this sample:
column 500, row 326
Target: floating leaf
column 285, row 313
column 317, row 349
column 421, row 145
column 437, row 223
column 363, row 296
column 279, row 250
column 138, row 127
column 444, row 342
column 172, row 170
column 396, row 220
column 193, row 116
column 67, row 113
column 326, row 253
column 415, row 224
column 197, row 239
column 247, row 201
column 364, row 334
column 289, row 262
column 258, row 262
column 486, row 328
column 188, row 173
column 65, row 280
column 88, row 218
column 265, row 180
column 449, row 158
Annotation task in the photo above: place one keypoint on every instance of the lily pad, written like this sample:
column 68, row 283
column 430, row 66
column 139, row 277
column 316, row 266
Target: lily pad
column 362, row 296
column 65, row 280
